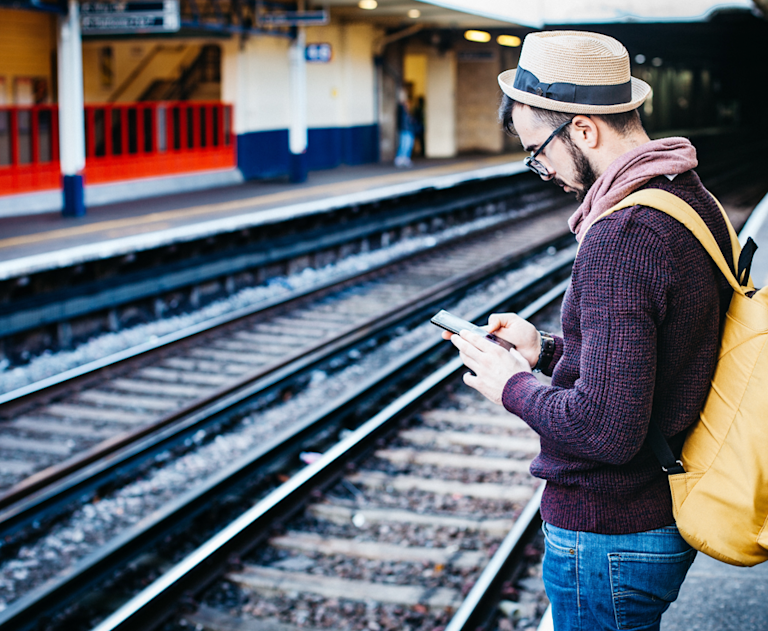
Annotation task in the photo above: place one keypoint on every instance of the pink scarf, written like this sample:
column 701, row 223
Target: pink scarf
column 666, row 156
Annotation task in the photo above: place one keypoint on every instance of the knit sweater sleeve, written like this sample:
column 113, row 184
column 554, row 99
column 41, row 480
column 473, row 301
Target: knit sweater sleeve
column 620, row 282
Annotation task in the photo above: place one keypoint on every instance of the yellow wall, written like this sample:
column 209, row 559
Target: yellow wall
column 27, row 48
column 415, row 73
column 255, row 73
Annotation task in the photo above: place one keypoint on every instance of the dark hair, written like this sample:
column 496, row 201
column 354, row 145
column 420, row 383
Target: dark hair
column 623, row 123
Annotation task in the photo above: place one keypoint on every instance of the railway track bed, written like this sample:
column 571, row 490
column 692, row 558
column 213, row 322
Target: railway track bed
column 399, row 541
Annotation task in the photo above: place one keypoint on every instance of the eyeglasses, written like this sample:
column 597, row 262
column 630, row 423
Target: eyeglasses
column 537, row 167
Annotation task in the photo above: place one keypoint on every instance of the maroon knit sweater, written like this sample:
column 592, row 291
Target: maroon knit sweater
column 641, row 324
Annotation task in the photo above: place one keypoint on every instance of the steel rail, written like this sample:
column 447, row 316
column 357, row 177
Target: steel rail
column 101, row 564
column 153, row 605
column 34, row 488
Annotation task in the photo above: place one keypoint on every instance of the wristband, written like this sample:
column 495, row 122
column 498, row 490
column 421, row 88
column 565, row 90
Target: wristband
column 547, row 353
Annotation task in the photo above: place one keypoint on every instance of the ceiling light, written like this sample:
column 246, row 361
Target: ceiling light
column 509, row 40
column 477, row 36
column 414, row 13
column 368, row 5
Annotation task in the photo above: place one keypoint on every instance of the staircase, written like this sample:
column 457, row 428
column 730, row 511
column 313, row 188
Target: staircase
column 200, row 81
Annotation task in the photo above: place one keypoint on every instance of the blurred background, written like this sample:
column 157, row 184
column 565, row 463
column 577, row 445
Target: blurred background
column 199, row 93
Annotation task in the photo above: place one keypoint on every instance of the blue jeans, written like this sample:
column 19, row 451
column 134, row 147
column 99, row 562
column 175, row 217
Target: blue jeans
column 625, row 582
column 406, row 146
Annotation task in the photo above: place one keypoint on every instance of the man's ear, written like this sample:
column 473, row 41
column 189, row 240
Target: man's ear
column 585, row 132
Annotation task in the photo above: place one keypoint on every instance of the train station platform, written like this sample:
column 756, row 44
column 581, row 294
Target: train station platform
column 720, row 597
column 36, row 243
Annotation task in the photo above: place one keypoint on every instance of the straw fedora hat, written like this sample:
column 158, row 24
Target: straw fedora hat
column 574, row 72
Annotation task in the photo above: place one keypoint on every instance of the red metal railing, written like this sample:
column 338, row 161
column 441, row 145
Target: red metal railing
column 122, row 142
column 127, row 141
column 29, row 149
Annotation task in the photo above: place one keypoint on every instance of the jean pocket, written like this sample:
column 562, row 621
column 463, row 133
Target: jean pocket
column 644, row 585
column 559, row 539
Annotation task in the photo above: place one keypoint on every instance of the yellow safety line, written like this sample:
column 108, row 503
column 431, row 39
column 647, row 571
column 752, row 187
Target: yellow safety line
column 343, row 187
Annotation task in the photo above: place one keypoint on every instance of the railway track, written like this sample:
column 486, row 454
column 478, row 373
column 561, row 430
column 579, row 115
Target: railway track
column 54, row 428
column 402, row 531
column 266, row 445
column 425, row 511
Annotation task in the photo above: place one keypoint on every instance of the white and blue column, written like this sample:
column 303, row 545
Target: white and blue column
column 297, row 131
column 71, row 111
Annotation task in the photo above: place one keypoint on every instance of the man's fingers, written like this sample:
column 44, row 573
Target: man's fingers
column 470, row 362
column 470, row 380
column 469, row 352
column 480, row 342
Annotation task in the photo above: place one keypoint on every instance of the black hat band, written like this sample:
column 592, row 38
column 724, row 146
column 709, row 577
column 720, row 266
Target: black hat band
column 616, row 94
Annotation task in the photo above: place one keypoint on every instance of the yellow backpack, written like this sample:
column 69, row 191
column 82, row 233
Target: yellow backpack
column 720, row 486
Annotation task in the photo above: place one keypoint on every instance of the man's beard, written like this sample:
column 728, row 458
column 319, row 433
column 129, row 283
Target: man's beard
column 585, row 175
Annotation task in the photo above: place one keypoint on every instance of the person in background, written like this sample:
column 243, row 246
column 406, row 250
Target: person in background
column 640, row 322
column 406, row 126
column 418, row 117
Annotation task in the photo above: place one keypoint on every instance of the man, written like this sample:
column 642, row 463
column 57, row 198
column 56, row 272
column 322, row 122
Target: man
column 640, row 334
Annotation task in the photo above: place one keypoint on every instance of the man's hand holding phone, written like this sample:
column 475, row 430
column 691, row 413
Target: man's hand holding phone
column 513, row 328
column 491, row 363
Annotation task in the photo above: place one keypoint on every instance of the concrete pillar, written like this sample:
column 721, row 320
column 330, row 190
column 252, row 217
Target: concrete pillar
column 440, row 104
column 234, row 81
column 297, row 131
column 71, row 110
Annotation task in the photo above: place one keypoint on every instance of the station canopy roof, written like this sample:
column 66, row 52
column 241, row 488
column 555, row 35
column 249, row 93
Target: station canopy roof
column 537, row 13
column 398, row 12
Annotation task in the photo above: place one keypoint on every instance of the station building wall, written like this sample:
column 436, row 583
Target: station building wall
column 461, row 97
column 440, row 106
column 477, row 102
column 27, row 54
column 341, row 112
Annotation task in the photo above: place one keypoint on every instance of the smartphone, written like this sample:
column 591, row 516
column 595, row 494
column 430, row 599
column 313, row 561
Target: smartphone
column 454, row 324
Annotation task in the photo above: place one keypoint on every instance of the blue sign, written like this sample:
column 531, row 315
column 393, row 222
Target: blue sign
column 318, row 53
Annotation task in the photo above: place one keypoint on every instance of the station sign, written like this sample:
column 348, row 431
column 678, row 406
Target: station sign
column 135, row 16
column 293, row 18
column 318, row 53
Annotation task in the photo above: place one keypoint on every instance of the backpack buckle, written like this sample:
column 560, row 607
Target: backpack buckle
column 674, row 470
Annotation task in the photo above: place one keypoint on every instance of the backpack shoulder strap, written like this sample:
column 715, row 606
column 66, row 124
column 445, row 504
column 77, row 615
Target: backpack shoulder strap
column 735, row 245
column 678, row 209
